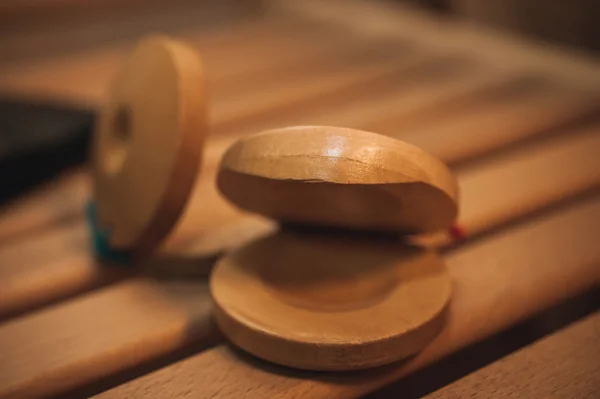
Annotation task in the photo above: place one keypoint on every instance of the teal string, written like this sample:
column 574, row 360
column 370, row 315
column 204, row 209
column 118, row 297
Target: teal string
column 100, row 240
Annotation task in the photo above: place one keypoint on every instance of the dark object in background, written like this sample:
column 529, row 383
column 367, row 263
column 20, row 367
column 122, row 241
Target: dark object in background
column 570, row 23
column 38, row 141
column 567, row 23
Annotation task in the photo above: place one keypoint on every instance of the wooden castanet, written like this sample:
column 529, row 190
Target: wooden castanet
column 322, row 301
column 311, row 314
column 339, row 177
column 148, row 144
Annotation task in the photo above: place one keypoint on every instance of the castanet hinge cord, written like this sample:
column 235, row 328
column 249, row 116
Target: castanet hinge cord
column 100, row 236
column 457, row 232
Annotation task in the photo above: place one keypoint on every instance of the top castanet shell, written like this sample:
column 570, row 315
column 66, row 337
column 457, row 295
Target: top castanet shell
column 341, row 178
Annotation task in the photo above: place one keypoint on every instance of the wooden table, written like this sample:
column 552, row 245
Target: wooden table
column 518, row 124
column 563, row 365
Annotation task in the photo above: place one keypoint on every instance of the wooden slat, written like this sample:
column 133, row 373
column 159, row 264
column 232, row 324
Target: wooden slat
column 529, row 178
column 422, row 85
column 472, row 130
column 211, row 38
column 517, row 86
column 60, row 262
column 60, row 200
column 88, row 73
column 508, row 186
column 263, row 70
column 96, row 334
column 230, row 66
column 345, row 81
column 564, row 365
column 497, row 283
column 401, row 20
column 501, row 171
column 47, row 37
column 24, row 277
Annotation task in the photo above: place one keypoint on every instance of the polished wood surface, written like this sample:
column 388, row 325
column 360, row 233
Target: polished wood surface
column 526, row 186
column 339, row 177
column 148, row 143
column 327, row 301
column 537, row 370
column 300, row 298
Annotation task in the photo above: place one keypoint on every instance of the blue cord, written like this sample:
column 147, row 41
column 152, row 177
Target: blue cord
column 100, row 239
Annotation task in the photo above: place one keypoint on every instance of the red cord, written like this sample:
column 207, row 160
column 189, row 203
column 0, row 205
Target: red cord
column 457, row 232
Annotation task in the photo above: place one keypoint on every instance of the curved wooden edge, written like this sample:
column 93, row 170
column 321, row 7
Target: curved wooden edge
column 300, row 298
column 124, row 157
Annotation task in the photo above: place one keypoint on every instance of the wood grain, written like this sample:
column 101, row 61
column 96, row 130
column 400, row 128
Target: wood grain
column 53, row 264
column 58, row 201
column 303, row 92
column 148, row 144
column 513, row 184
column 422, row 88
column 401, row 20
column 323, row 301
column 563, row 365
column 89, row 71
column 547, row 171
column 94, row 335
column 471, row 131
column 339, row 177
column 498, row 282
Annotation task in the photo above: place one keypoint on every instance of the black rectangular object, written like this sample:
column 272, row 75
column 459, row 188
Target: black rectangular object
column 38, row 141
